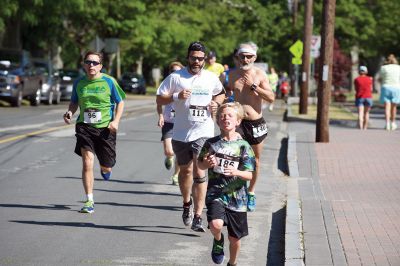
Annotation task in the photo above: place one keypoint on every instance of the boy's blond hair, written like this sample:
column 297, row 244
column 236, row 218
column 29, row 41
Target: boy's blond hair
column 235, row 105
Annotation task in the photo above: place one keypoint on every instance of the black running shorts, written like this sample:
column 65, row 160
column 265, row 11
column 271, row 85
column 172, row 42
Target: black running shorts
column 186, row 151
column 100, row 141
column 247, row 130
column 236, row 222
column 166, row 131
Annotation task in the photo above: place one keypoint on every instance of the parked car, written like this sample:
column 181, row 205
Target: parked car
column 50, row 91
column 67, row 78
column 132, row 82
column 18, row 78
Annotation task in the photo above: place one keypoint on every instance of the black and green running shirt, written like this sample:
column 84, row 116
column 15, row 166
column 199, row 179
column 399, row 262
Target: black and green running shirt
column 97, row 99
column 231, row 191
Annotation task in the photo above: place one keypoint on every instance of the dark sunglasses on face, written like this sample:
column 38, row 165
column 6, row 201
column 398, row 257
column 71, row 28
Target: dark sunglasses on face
column 194, row 58
column 90, row 62
column 248, row 56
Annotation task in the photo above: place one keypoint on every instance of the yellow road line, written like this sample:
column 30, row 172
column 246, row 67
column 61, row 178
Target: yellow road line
column 33, row 133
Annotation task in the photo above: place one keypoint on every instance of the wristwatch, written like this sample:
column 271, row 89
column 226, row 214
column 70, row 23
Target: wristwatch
column 253, row 87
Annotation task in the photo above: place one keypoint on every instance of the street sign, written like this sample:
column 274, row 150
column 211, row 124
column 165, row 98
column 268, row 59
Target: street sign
column 97, row 44
column 112, row 45
column 297, row 49
column 296, row 61
column 315, row 45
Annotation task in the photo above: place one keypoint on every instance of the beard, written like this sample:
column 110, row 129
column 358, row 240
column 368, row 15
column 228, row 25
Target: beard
column 246, row 66
column 195, row 68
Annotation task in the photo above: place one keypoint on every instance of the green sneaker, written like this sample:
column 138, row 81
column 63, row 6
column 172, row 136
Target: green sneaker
column 169, row 161
column 175, row 180
column 217, row 252
column 251, row 202
column 88, row 207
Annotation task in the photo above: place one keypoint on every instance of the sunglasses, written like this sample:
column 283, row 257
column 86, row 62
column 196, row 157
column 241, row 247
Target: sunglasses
column 90, row 62
column 248, row 56
column 194, row 58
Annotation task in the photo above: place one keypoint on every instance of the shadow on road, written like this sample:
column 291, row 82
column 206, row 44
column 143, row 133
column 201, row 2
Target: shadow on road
column 40, row 207
column 111, row 227
column 157, row 207
column 282, row 158
column 276, row 243
column 138, row 182
column 140, row 192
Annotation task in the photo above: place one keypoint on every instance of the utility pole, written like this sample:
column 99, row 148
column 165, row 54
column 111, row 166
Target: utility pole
column 294, row 68
column 325, row 71
column 308, row 25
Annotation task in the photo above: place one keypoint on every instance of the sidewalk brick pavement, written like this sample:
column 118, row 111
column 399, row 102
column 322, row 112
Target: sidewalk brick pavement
column 349, row 190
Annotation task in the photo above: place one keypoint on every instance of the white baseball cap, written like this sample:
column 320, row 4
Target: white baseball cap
column 363, row 69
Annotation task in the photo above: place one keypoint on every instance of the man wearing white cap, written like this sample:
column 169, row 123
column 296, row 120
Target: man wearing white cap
column 363, row 85
column 251, row 86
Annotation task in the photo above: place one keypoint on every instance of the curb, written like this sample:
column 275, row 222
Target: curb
column 294, row 244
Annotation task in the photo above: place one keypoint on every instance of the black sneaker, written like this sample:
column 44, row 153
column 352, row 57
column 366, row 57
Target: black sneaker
column 217, row 252
column 197, row 224
column 187, row 214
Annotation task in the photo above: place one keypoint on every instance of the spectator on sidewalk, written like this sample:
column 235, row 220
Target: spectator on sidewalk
column 390, row 91
column 363, row 85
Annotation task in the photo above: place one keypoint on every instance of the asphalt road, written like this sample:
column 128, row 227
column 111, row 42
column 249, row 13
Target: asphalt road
column 137, row 219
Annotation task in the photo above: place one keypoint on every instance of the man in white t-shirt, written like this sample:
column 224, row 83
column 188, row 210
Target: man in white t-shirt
column 196, row 94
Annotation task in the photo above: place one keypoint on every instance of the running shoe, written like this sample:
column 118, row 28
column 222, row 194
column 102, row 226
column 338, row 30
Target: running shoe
column 388, row 126
column 175, row 180
column 187, row 214
column 251, row 202
column 105, row 176
column 197, row 224
column 169, row 161
column 394, row 126
column 217, row 252
column 88, row 207
column 230, row 264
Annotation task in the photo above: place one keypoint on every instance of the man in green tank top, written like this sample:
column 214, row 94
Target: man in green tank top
column 100, row 102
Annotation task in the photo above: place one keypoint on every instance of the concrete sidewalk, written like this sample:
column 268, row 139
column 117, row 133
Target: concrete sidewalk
column 343, row 196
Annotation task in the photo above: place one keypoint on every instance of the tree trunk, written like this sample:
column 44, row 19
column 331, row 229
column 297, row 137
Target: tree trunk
column 12, row 34
column 139, row 65
column 354, row 65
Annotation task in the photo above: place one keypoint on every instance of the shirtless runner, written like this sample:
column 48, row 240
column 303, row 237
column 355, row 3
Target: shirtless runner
column 251, row 86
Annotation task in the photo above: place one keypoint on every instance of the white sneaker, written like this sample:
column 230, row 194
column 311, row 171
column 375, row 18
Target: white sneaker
column 394, row 126
column 387, row 126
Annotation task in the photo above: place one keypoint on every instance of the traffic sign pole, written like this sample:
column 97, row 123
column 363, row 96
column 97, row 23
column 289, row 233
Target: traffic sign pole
column 308, row 21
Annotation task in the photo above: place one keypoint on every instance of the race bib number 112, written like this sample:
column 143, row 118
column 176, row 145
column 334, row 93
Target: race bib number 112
column 197, row 113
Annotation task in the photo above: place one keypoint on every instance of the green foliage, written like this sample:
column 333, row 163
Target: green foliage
column 7, row 10
column 159, row 31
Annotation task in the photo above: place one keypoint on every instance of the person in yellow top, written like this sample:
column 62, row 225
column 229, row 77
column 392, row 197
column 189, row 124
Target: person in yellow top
column 273, row 81
column 212, row 65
